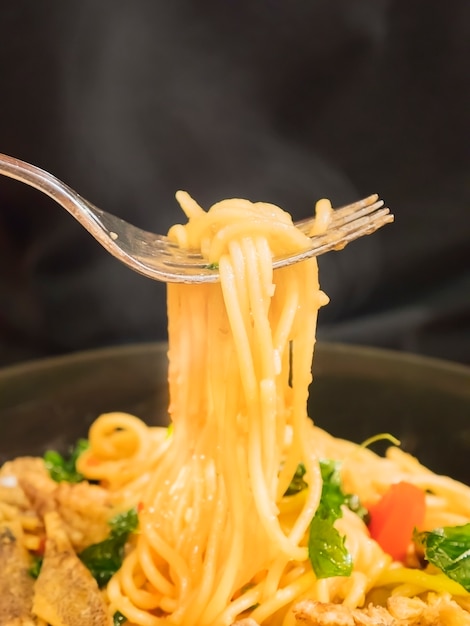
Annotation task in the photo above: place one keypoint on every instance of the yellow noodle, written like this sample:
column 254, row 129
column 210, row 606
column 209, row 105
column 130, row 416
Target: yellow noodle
column 217, row 536
column 218, row 540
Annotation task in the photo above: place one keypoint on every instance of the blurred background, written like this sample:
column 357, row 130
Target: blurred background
column 283, row 101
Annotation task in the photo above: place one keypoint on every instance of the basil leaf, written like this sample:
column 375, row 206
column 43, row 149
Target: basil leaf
column 354, row 504
column 103, row 559
column 326, row 548
column 124, row 523
column 448, row 548
column 297, row 483
column 35, row 566
column 332, row 496
column 63, row 469
column 119, row 618
column 330, row 471
column 327, row 551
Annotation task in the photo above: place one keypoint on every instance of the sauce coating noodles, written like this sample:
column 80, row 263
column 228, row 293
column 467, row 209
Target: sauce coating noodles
column 240, row 356
column 219, row 540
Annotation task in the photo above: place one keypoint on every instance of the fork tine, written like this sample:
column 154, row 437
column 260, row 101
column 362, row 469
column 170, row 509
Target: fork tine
column 345, row 214
column 336, row 239
column 340, row 216
column 359, row 204
column 363, row 226
column 339, row 238
column 347, row 224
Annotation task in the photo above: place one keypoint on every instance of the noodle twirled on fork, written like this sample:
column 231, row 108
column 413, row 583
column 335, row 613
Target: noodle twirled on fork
column 228, row 498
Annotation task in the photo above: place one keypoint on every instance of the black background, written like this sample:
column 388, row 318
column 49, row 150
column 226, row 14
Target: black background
column 266, row 99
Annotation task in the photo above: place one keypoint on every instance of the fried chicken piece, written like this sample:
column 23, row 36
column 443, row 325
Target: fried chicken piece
column 65, row 593
column 312, row 613
column 13, row 496
column 85, row 509
column 439, row 610
column 16, row 585
column 11, row 472
column 39, row 488
column 23, row 465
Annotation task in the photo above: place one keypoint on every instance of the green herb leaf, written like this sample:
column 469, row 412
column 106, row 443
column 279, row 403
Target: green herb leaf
column 326, row 548
column 332, row 496
column 105, row 558
column 64, row 468
column 119, row 618
column 448, row 548
column 331, row 475
column 297, row 483
column 124, row 523
column 354, row 504
column 35, row 566
column 327, row 551
column 212, row 266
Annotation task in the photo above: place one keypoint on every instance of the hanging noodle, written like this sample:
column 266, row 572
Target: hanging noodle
column 240, row 356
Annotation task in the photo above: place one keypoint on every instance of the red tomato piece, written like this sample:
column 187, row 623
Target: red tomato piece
column 394, row 518
column 42, row 546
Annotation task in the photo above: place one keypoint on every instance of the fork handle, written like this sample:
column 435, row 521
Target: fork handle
column 39, row 179
column 86, row 213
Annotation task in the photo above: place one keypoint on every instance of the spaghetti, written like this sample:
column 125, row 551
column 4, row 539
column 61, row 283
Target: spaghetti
column 219, row 539
column 240, row 356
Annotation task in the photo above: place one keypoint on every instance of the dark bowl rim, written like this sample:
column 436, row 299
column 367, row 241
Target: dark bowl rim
column 134, row 349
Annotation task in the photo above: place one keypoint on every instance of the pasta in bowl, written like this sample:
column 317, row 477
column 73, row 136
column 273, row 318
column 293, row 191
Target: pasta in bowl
column 244, row 508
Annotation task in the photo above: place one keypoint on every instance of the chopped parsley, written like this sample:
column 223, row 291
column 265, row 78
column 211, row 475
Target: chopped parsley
column 297, row 483
column 326, row 547
column 351, row 500
column 119, row 618
column 448, row 548
column 354, row 504
column 64, row 469
column 105, row 558
column 35, row 566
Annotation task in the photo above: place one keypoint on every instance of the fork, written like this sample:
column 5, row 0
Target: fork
column 156, row 257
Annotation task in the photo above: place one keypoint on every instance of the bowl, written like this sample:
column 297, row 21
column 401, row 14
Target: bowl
column 357, row 392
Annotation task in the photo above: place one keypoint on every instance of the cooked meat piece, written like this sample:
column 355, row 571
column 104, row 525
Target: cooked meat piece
column 39, row 489
column 85, row 509
column 23, row 465
column 13, row 496
column 11, row 492
column 65, row 593
column 440, row 610
column 16, row 585
column 312, row 613
column 36, row 483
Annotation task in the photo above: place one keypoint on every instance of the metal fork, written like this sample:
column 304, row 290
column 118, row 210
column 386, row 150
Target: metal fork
column 158, row 258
